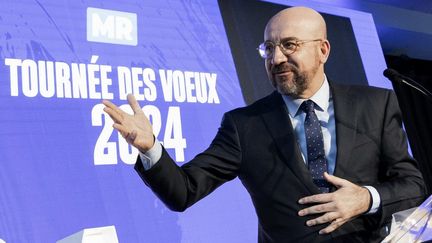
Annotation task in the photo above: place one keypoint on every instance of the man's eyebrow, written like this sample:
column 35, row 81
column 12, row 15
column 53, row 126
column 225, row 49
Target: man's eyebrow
column 283, row 39
column 289, row 39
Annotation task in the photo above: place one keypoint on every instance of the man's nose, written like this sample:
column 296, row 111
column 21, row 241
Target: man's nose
column 278, row 56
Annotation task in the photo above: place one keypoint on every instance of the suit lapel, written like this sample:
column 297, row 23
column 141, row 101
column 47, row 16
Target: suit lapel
column 345, row 110
column 280, row 128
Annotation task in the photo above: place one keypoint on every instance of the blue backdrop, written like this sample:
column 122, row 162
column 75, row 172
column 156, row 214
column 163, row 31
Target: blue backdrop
column 63, row 168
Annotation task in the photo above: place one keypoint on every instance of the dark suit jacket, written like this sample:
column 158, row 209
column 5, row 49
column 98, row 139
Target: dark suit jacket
column 257, row 143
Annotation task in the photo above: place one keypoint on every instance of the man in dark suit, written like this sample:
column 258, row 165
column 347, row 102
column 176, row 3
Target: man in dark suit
column 322, row 162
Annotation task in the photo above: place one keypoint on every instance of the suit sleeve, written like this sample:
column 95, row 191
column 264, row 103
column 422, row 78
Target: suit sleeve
column 401, row 184
column 180, row 187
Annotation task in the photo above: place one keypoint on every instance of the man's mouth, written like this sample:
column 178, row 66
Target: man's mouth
column 283, row 69
column 282, row 72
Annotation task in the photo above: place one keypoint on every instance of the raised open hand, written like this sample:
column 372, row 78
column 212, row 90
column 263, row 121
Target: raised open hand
column 136, row 128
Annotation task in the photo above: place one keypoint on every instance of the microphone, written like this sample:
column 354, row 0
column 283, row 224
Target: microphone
column 394, row 76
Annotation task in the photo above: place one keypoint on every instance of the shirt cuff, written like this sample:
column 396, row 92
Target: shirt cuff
column 375, row 198
column 152, row 156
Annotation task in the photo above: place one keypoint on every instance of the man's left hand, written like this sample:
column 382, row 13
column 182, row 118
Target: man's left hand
column 338, row 207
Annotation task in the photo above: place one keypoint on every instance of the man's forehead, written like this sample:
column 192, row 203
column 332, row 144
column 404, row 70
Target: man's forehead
column 285, row 26
column 285, row 30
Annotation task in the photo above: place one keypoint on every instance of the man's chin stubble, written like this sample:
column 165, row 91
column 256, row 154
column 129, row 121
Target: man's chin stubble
column 284, row 88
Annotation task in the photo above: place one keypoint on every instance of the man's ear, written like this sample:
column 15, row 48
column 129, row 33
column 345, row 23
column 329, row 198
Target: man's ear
column 324, row 51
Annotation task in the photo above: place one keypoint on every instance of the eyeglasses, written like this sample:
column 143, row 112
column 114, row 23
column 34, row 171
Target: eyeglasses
column 287, row 46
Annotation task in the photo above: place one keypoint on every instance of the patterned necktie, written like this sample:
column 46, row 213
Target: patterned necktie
column 317, row 161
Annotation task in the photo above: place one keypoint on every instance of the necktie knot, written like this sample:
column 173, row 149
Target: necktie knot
column 307, row 106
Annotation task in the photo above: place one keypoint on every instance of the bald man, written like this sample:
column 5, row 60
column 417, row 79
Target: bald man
column 322, row 162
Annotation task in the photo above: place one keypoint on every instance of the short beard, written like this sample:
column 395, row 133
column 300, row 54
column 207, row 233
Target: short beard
column 283, row 86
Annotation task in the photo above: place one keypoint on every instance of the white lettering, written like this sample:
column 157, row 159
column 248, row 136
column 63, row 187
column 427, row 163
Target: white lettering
column 63, row 80
column 212, row 94
column 29, row 78
column 79, row 77
column 46, row 79
column 166, row 81
column 102, row 28
column 13, row 64
column 123, row 28
column 125, row 82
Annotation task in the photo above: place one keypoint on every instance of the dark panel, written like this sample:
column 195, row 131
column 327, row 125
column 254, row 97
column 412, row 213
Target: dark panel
column 416, row 110
column 245, row 21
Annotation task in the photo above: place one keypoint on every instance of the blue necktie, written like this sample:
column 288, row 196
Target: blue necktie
column 317, row 161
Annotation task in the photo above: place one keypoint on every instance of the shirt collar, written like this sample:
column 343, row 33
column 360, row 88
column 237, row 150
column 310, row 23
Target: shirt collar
column 320, row 98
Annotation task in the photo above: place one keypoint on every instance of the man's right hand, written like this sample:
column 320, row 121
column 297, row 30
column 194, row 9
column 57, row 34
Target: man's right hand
column 136, row 128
